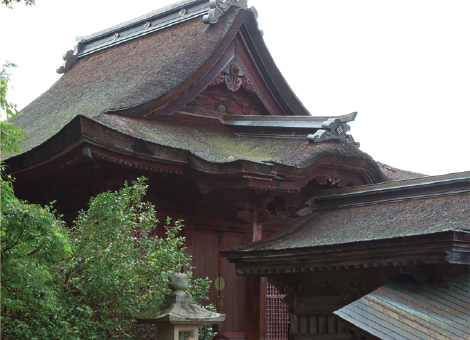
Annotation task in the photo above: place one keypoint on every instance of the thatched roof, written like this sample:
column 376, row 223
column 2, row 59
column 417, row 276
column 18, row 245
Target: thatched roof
column 394, row 174
column 124, row 77
column 129, row 91
column 368, row 222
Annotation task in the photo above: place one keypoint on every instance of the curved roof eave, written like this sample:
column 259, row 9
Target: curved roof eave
column 204, row 146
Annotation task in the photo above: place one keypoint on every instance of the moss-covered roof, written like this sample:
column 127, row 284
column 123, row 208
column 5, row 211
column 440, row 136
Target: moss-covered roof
column 369, row 223
column 110, row 86
column 214, row 142
column 124, row 77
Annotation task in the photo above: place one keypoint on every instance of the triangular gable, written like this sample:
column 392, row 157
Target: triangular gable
column 241, row 60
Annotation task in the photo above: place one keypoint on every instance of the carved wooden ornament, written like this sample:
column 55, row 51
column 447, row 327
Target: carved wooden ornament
column 244, row 215
column 262, row 216
column 234, row 77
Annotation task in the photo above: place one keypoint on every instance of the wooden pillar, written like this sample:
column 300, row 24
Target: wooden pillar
column 255, row 317
column 255, row 291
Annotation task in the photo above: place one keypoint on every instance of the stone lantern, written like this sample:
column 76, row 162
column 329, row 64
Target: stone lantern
column 178, row 319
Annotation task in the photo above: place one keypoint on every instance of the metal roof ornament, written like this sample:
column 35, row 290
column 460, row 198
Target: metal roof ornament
column 70, row 58
column 217, row 8
column 333, row 129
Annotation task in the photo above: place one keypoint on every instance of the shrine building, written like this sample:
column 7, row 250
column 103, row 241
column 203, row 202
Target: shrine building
column 190, row 97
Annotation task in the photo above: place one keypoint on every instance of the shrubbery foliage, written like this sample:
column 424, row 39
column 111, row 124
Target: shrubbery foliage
column 92, row 281
column 89, row 281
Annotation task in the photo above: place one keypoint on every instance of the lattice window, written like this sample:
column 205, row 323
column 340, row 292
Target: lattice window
column 277, row 317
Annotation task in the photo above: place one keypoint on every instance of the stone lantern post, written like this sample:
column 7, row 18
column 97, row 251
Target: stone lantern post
column 178, row 319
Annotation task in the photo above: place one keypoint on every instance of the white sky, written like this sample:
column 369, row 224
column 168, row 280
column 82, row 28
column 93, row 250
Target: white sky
column 404, row 65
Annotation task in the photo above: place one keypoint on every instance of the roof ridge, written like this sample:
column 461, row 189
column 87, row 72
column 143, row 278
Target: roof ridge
column 157, row 13
column 147, row 24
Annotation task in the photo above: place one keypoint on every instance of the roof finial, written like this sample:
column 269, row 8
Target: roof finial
column 219, row 7
column 334, row 128
column 70, row 58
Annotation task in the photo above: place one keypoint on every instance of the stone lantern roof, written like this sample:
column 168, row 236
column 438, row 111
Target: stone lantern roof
column 178, row 308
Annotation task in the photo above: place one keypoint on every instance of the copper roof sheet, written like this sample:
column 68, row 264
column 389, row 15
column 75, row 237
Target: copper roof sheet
column 403, row 309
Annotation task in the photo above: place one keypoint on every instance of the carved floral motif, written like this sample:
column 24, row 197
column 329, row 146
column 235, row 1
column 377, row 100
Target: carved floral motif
column 220, row 79
column 247, row 85
column 322, row 180
column 234, row 77
column 334, row 180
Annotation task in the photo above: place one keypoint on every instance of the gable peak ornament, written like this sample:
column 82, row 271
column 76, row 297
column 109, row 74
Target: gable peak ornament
column 234, row 77
column 217, row 8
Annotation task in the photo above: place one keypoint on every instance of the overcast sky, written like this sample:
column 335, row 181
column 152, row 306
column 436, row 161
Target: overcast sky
column 404, row 65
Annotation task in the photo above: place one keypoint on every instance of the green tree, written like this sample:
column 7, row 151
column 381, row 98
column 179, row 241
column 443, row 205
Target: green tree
column 120, row 268
column 115, row 269
column 34, row 244
column 93, row 286
column 9, row 3
column 10, row 135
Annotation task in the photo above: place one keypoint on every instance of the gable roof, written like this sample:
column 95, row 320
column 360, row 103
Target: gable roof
column 405, row 310
column 186, row 143
column 148, row 74
column 131, row 85
column 122, row 78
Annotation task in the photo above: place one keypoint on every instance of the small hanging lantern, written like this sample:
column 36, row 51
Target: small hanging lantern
column 178, row 319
